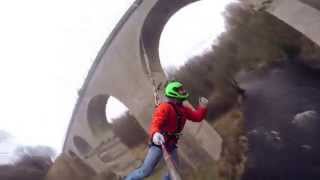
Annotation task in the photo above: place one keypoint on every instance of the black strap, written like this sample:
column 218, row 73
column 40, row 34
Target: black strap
column 179, row 118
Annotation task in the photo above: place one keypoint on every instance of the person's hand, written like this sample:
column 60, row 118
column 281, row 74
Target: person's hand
column 203, row 102
column 158, row 138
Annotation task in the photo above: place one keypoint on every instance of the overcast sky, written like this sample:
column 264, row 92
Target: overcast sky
column 47, row 47
column 191, row 30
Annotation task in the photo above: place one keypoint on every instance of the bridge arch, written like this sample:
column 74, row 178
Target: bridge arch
column 123, row 67
column 153, row 27
column 96, row 116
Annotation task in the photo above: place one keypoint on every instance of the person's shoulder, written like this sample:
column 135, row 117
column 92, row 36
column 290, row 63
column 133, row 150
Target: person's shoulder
column 165, row 105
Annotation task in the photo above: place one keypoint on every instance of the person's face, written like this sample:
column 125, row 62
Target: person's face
column 182, row 91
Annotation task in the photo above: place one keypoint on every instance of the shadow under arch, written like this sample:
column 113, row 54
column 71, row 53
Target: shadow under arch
column 96, row 116
column 121, row 127
column 82, row 146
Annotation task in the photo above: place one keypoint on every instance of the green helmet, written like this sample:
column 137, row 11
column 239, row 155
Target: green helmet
column 171, row 91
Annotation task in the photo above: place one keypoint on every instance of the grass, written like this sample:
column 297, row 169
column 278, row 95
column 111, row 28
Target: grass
column 231, row 128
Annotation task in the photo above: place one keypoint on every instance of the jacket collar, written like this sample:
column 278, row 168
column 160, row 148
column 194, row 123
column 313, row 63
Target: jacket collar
column 174, row 101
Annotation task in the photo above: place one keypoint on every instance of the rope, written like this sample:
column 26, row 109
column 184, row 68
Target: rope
column 173, row 172
column 153, row 82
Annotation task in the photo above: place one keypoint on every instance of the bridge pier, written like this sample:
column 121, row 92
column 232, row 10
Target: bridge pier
column 302, row 15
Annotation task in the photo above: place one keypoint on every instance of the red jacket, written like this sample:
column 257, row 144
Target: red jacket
column 165, row 118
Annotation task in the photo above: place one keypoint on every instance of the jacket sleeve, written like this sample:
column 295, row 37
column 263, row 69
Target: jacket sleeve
column 196, row 116
column 160, row 115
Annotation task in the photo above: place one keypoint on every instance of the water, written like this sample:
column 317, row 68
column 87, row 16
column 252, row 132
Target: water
column 282, row 111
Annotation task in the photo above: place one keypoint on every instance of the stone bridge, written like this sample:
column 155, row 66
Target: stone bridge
column 127, row 68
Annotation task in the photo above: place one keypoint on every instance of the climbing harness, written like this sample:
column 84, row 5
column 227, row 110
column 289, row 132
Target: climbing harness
column 156, row 88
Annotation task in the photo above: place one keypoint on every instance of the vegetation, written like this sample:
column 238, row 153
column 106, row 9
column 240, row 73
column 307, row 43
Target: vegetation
column 253, row 40
column 32, row 163
column 128, row 123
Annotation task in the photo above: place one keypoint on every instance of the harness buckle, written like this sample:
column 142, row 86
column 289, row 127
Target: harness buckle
column 177, row 135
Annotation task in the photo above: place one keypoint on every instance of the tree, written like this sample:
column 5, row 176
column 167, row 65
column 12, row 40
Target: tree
column 252, row 41
column 32, row 163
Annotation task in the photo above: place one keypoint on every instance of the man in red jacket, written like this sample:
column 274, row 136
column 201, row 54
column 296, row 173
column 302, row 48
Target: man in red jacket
column 168, row 121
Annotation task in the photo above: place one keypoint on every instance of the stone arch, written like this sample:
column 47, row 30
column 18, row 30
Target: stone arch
column 153, row 27
column 96, row 116
column 72, row 154
column 124, row 124
column 82, row 146
column 287, row 10
column 119, row 71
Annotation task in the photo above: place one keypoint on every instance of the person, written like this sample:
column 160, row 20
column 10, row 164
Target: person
column 167, row 123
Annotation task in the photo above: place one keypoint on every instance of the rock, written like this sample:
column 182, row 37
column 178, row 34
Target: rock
column 306, row 120
column 254, row 131
column 243, row 142
column 306, row 147
column 243, row 139
column 277, row 138
column 274, row 133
